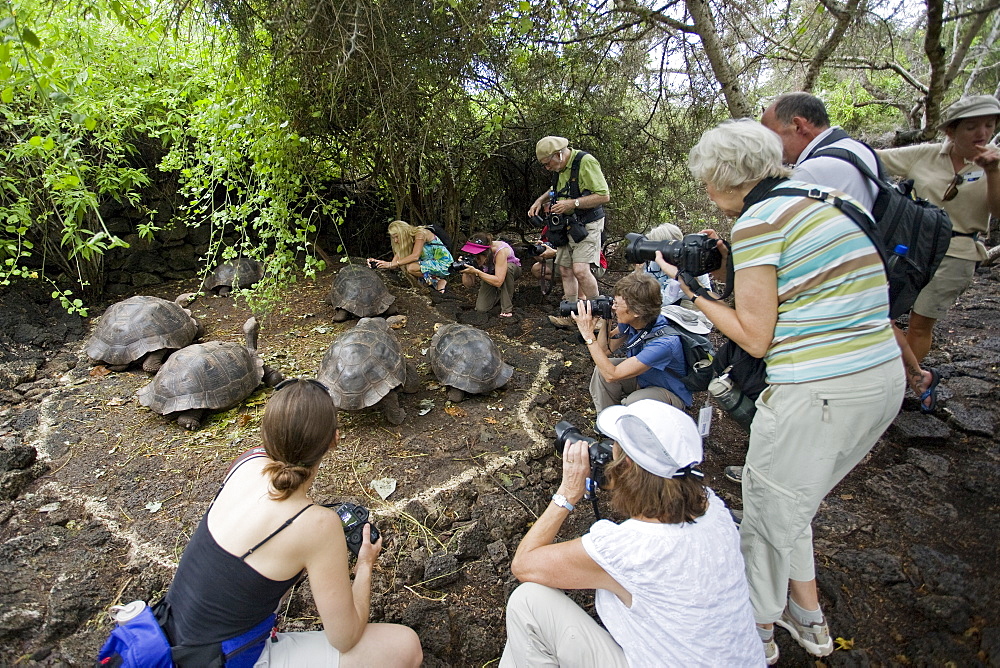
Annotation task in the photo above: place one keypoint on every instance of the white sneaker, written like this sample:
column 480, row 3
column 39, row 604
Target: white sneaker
column 814, row 638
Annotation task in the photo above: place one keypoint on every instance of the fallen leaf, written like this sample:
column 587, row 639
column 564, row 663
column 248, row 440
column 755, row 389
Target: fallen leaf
column 426, row 405
column 491, row 420
column 99, row 371
column 383, row 487
column 49, row 507
column 847, row 497
column 567, row 363
column 154, row 506
column 116, row 401
column 455, row 411
column 844, row 643
column 320, row 329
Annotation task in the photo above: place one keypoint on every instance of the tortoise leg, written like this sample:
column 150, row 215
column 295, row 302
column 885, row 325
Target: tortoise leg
column 340, row 315
column 191, row 419
column 455, row 395
column 153, row 361
column 412, row 381
column 223, row 291
column 272, row 376
column 117, row 367
column 392, row 310
column 389, row 405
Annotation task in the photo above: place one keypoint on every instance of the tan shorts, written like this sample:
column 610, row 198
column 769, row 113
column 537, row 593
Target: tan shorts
column 950, row 280
column 299, row 650
column 587, row 251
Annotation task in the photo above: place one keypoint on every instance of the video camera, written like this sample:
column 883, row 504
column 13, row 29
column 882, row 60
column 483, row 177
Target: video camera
column 601, row 451
column 599, row 306
column 695, row 254
column 354, row 518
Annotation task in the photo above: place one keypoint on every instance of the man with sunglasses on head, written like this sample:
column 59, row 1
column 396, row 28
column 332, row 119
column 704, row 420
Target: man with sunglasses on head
column 962, row 176
column 802, row 123
column 578, row 188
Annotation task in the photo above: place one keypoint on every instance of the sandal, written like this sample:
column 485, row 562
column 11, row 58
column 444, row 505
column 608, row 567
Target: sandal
column 506, row 315
column 930, row 393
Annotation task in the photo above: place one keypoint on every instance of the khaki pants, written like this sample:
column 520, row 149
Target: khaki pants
column 610, row 394
column 546, row 628
column 804, row 439
column 489, row 296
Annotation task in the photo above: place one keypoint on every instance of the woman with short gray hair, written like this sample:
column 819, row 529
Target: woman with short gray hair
column 812, row 300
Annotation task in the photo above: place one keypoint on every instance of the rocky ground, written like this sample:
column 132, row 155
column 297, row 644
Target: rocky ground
column 98, row 495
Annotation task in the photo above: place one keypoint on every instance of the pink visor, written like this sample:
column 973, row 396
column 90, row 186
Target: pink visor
column 474, row 248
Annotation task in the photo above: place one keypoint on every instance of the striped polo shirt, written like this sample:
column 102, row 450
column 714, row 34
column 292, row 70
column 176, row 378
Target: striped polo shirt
column 833, row 299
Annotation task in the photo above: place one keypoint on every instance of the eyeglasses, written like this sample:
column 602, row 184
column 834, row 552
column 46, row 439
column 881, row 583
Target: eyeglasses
column 554, row 156
column 289, row 381
column 952, row 190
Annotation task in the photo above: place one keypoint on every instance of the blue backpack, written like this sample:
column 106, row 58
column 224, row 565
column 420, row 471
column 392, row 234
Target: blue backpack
column 139, row 642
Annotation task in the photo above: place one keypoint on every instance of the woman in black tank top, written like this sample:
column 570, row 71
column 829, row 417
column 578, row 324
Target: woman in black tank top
column 259, row 536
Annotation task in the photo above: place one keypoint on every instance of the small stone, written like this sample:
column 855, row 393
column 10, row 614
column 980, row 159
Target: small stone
column 928, row 463
column 498, row 552
column 919, row 428
column 440, row 570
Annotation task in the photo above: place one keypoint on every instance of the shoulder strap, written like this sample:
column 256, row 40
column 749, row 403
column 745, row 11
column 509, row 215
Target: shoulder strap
column 835, row 135
column 252, row 453
column 572, row 187
column 821, row 151
column 849, row 209
column 276, row 532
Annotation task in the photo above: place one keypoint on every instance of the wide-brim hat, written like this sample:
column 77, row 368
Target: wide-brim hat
column 970, row 107
column 685, row 318
column 546, row 146
column 656, row 436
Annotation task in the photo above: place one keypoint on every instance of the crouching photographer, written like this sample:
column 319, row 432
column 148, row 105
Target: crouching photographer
column 669, row 581
column 494, row 263
column 654, row 362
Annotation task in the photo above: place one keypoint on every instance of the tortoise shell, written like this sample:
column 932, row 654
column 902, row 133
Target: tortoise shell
column 465, row 357
column 361, row 291
column 140, row 325
column 363, row 365
column 212, row 375
column 243, row 272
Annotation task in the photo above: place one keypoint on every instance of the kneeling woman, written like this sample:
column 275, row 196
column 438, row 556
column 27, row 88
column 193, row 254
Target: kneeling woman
column 419, row 252
column 496, row 265
column 259, row 536
column 670, row 584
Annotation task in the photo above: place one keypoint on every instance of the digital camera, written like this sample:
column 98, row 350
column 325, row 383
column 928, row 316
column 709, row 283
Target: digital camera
column 601, row 451
column 461, row 262
column 695, row 254
column 354, row 518
column 372, row 264
column 599, row 306
column 537, row 249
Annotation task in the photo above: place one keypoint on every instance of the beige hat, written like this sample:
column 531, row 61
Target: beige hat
column 970, row 107
column 546, row 146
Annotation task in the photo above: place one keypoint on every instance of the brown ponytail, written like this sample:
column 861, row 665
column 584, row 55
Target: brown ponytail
column 299, row 425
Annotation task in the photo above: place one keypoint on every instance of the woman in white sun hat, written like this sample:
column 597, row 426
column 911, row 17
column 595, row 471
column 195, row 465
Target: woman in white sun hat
column 669, row 580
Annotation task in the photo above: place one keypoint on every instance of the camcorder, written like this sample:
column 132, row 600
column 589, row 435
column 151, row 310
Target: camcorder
column 461, row 262
column 354, row 518
column 695, row 254
column 601, row 451
column 599, row 306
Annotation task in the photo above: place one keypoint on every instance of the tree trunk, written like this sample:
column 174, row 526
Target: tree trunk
column 844, row 15
column 704, row 24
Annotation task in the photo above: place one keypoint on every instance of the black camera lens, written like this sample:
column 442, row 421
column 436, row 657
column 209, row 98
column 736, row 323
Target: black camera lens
column 537, row 220
column 696, row 254
column 600, row 307
column 600, row 452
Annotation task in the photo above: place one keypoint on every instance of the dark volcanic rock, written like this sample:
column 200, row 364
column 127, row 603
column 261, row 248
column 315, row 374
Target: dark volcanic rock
column 917, row 428
column 440, row 570
column 952, row 611
column 927, row 462
column 873, row 565
column 965, row 386
column 971, row 419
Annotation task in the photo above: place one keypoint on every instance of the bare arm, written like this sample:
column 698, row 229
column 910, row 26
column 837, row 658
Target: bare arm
column 563, row 565
column 499, row 266
column 989, row 160
column 591, row 201
column 629, row 368
column 751, row 324
column 343, row 606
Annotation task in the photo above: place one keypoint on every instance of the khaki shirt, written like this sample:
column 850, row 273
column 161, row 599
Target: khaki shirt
column 929, row 165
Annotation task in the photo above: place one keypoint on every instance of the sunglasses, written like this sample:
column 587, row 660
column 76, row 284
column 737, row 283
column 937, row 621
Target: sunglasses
column 289, row 381
column 952, row 190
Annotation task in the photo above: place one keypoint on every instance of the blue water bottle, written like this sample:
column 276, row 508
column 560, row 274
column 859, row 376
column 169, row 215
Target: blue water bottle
column 899, row 251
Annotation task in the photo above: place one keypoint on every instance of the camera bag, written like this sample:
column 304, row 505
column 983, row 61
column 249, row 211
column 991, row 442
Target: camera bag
column 697, row 348
column 572, row 191
column 901, row 218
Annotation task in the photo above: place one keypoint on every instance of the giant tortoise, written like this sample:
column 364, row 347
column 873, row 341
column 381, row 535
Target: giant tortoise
column 364, row 366
column 142, row 327
column 243, row 272
column 466, row 360
column 208, row 376
column 359, row 291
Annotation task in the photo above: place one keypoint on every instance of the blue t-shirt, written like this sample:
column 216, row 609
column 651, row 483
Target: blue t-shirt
column 664, row 356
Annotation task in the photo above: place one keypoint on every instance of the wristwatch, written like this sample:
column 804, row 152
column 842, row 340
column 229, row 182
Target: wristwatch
column 560, row 500
column 589, row 341
column 577, row 204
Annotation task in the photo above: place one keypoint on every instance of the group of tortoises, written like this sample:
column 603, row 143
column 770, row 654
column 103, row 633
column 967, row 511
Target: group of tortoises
column 362, row 368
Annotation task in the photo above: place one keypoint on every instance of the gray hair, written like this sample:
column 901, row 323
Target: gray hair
column 665, row 232
column 737, row 152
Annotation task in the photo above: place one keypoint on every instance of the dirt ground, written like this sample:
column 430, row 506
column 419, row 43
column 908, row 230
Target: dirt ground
column 98, row 495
